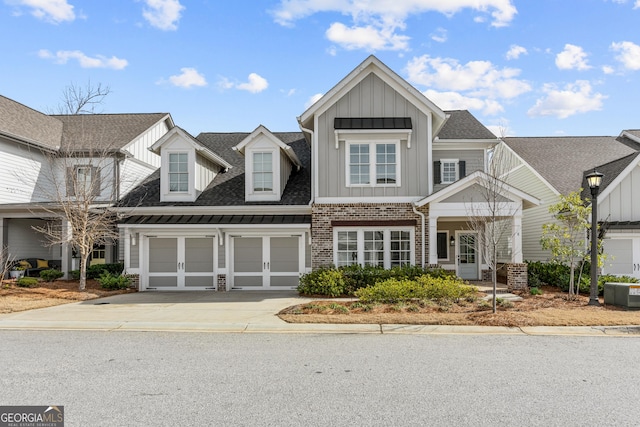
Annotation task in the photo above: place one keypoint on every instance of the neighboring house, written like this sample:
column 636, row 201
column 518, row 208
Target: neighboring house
column 550, row 166
column 43, row 154
column 378, row 175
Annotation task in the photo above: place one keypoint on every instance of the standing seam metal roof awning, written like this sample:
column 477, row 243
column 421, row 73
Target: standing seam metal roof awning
column 372, row 123
column 217, row 219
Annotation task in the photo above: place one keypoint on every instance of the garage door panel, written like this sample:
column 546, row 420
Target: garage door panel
column 163, row 255
column 619, row 256
column 284, row 254
column 247, row 255
column 286, row 281
column 198, row 281
column 198, row 255
column 163, row 281
column 248, row 281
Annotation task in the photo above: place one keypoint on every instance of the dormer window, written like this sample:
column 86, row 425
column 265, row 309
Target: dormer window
column 262, row 172
column 178, row 172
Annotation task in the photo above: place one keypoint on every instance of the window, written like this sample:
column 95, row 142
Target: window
column 443, row 245
column 262, row 172
column 447, row 171
column 373, row 163
column 178, row 172
column 83, row 179
column 379, row 247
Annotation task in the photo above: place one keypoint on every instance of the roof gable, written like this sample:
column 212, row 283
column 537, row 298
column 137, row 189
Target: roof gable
column 179, row 133
column 462, row 125
column 614, row 172
column 372, row 65
column 263, row 131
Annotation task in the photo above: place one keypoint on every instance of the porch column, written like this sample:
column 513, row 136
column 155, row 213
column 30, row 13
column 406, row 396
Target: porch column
column 65, row 256
column 516, row 240
column 433, row 240
column 127, row 247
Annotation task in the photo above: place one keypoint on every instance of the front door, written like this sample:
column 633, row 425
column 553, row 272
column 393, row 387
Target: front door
column 179, row 263
column 266, row 262
column 468, row 256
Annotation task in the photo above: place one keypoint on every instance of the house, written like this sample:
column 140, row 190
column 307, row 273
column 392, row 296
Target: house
column 45, row 156
column 377, row 175
column 547, row 167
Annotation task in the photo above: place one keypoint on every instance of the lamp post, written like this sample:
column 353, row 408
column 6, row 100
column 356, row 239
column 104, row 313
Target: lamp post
column 594, row 179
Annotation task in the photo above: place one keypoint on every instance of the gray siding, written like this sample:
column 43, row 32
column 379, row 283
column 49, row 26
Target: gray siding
column 623, row 203
column 474, row 161
column 25, row 242
column 373, row 98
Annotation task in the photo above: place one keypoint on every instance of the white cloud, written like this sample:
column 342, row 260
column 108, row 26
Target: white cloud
column 607, row 69
column 515, row 51
column 99, row 61
column 163, row 14
column 572, row 58
column 439, row 35
column 637, row 5
column 573, row 99
column 629, row 54
column 476, row 84
column 190, row 77
column 256, row 84
column 367, row 38
column 54, row 11
column 375, row 23
column 313, row 100
column 456, row 101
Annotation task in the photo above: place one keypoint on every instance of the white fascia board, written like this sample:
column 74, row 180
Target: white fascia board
column 262, row 130
column 165, row 117
column 630, row 136
column 460, row 209
column 27, row 141
column 464, row 144
column 205, row 152
column 618, row 179
column 216, row 210
column 350, row 200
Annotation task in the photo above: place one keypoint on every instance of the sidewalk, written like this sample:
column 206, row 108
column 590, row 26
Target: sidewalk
column 237, row 312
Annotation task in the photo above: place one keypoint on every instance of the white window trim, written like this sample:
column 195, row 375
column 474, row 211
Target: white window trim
column 261, row 196
column 178, row 196
column 372, row 161
column 387, row 243
column 169, row 173
column 442, row 163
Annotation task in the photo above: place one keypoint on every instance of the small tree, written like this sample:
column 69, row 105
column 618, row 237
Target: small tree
column 490, row 214
column 567, row 237
column 6, row 262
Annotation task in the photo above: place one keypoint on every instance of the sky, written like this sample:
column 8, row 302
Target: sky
column 522, row 67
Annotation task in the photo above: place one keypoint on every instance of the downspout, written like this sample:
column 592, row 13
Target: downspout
column 422, row 217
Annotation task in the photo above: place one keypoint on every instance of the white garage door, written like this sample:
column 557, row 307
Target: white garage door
column 180, row 263
column 623, row 256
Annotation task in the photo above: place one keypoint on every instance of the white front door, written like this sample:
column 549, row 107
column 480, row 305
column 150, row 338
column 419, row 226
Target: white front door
column 266, row 262
column 468, row 256
column 184, row 262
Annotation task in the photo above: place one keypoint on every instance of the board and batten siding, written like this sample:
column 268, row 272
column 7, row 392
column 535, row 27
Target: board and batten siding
column 474, row 161
column 623, row 202
column 139, row 147
column 206, row 170
column 372, row 97
column 285, row 171
column 533, row 218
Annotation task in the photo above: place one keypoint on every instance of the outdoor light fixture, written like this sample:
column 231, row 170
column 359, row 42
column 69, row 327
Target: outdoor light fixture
column 594, row 179
column 452, row 241
column 133, row 239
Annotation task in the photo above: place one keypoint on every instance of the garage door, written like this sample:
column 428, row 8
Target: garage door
column 179, row 263
column 623, row 256
column 271, row 262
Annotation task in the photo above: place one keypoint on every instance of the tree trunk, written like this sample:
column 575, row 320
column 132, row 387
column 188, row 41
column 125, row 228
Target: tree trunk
column 494, row 278
column 83, row 272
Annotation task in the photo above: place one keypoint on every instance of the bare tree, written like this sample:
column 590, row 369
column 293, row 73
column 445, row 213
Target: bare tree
column 77, row 99
column 6, row 262
column 489, row 214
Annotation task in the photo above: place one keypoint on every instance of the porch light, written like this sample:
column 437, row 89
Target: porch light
column 452, row 241
column 594, row 179
column 134, row 241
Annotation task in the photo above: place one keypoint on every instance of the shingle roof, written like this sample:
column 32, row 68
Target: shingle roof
column 227, row 189
column 26, row 124
column 461, row 124
column 610, row 170
column 634, row 132
column 563, row 160
column 104, row 131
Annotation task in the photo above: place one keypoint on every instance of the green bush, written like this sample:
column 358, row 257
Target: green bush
column 113, row 282
column 74, row 274
column 425, row 287
column 51, row 274
column 27, row 282
column 323, row 281
column 95, row 271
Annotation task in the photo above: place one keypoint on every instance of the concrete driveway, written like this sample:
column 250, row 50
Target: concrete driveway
column 246, row 311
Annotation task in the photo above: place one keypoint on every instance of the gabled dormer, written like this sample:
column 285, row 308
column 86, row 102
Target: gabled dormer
column 268, row 163
column 186, row 166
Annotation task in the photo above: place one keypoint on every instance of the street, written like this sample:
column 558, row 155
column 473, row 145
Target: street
column 217, row 379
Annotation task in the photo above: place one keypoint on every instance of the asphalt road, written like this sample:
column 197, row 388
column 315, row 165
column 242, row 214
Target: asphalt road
column 197, row 379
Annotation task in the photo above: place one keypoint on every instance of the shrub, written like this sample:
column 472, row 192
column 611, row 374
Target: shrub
column 27, row 282
column 74, row 274
column 535, row 291
column 112, row 282
column 95, row 271
column 323, row 281
column 51, row 274
column 555, row 274
column 425, row 287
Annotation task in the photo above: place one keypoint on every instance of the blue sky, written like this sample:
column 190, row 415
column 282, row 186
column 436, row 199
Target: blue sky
column 527, row 67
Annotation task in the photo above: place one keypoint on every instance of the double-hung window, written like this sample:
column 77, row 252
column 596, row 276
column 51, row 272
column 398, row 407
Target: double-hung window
column 384, row 247
column 447, row 171
column 262, row 172
column 178, row 172
column 373, row 164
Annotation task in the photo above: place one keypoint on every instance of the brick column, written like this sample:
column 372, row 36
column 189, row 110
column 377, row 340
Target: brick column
column 517, row 276
column 222, row 283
